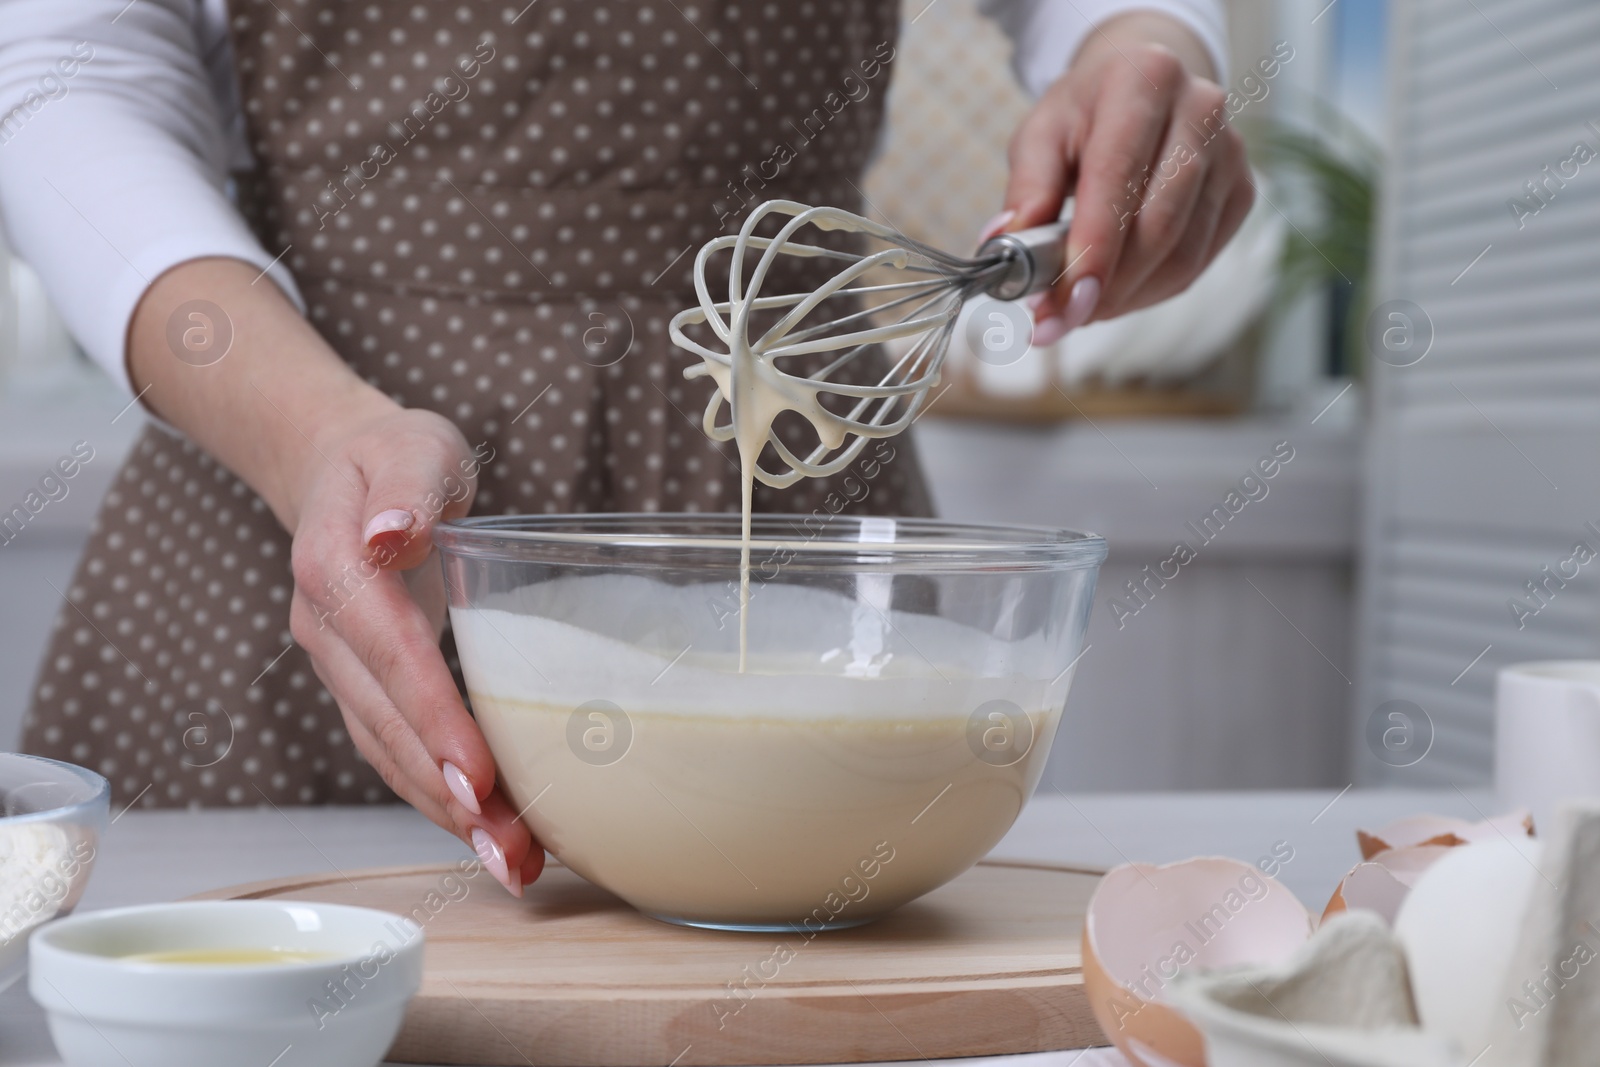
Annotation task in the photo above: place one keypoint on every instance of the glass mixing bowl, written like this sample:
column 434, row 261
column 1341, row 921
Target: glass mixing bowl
column 52, row 817
column 904, row 680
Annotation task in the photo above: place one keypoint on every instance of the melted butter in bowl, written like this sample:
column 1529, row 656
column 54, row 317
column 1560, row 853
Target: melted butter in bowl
column 207, row 982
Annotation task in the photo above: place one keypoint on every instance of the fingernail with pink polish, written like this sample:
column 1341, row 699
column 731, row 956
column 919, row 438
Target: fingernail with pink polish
column 494, row 858
column 1081, row 304
column 996, row 224
column 461, row 787
column 391, row 521
column 1048, row 331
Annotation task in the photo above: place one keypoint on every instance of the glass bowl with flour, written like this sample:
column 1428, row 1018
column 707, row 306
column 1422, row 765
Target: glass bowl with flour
column 854, row 726
column 52, row 816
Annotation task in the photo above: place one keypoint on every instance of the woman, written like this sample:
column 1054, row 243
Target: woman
column 445, row 201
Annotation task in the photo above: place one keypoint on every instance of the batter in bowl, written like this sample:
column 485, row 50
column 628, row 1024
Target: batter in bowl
column 804, row 790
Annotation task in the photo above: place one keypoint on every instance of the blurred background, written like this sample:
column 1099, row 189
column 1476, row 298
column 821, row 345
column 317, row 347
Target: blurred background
column 1410, row 351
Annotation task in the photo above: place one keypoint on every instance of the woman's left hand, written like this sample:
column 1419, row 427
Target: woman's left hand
column 1138, row 130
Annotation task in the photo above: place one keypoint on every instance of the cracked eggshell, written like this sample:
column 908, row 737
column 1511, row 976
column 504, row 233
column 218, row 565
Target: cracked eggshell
column 1414, row 830
column 1146, row 924
column 1382, row 884
column 1459, row 925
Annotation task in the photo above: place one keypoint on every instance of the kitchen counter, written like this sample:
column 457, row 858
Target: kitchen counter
column 156, row 856
column 1136, row 482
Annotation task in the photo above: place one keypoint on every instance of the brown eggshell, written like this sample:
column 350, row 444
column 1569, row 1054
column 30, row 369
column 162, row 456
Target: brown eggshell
column 1145, row 923
column 1444, row 830
column 1121, row 1014
column 1382, row 884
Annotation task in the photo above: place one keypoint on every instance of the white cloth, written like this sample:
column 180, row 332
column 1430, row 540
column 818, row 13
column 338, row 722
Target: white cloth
column 1048, row 33
column 119, row 123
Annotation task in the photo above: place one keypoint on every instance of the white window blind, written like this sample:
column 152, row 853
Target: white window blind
column 1484, row 462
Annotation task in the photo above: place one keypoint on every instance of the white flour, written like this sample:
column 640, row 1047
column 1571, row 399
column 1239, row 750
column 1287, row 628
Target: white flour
column 35, row 864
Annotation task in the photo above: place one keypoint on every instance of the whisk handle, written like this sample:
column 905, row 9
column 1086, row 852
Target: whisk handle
column 1038, row 258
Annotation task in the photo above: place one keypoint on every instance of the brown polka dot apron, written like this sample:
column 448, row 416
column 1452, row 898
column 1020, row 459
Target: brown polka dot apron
column 491, row 210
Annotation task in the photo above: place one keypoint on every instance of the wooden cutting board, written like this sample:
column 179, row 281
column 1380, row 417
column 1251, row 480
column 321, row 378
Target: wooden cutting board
column 571, row 975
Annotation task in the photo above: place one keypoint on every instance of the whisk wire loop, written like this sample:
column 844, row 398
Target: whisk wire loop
column 919, row 307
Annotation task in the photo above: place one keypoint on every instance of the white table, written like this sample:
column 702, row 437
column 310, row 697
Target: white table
column 157, row 856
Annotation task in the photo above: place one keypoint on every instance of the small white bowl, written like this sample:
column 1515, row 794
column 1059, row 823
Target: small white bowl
column 341, row 1008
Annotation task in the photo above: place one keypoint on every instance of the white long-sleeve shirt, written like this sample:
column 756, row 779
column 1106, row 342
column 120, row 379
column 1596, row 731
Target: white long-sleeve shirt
column 119, row 123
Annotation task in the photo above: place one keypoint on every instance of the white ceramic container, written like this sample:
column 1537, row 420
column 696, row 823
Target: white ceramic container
column 342, row 1007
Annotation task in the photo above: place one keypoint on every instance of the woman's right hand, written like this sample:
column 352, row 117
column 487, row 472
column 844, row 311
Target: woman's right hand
column 360, row 483
column 369, row 607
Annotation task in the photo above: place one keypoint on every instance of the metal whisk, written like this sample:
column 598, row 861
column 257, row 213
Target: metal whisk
column 847, row 314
